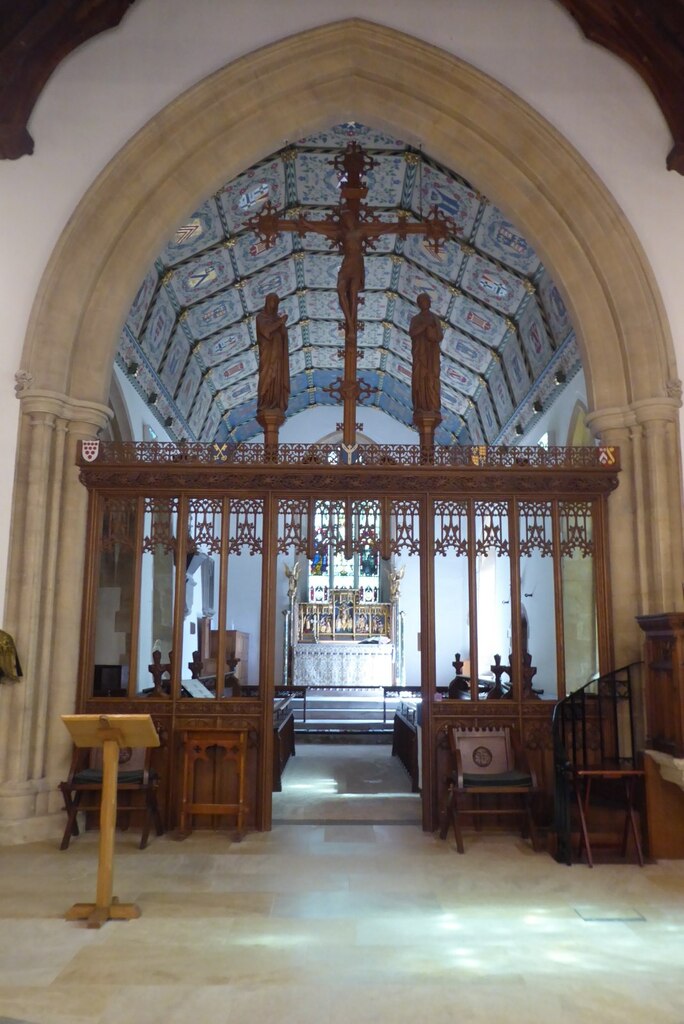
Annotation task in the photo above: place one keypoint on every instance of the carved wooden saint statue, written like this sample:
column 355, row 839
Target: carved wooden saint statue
column 426, row 334
column 274, row 368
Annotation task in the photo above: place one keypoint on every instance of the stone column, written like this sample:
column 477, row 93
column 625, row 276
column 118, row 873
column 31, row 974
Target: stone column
column 661, row 455
column 45, row 581
column 644, row 516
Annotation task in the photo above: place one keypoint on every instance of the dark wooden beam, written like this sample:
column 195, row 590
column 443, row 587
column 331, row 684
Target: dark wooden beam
column 649, row 36
column 35, row 35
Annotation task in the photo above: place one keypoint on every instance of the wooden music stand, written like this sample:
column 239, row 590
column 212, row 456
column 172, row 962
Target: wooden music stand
column 111, row 732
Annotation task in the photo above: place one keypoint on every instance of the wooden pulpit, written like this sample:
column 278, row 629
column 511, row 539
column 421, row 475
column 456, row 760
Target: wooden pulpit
column 111, row 732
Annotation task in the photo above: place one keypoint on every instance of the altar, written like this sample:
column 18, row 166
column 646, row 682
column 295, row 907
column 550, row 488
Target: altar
column 343, row 664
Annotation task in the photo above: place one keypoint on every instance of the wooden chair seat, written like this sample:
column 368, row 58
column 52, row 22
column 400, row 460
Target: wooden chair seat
column 93, row 777
column 134, row 776
column 510, row 780
column 487, row 761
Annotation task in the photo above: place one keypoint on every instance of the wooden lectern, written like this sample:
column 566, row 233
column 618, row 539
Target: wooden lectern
column 111, row 732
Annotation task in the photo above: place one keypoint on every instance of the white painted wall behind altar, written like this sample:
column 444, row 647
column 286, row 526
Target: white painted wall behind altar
column 105, row 91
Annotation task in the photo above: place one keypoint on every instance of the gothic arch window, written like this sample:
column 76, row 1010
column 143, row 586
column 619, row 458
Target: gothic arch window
column 579, row 434
column 330, row 569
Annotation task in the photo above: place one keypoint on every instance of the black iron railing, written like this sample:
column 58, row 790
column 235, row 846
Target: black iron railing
column 597, row 727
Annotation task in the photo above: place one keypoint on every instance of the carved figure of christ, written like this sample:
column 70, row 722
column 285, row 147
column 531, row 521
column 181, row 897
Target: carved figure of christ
column 353, row 231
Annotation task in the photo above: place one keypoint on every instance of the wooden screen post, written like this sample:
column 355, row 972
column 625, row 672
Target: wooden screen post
column 111, row 732
column 271, row 420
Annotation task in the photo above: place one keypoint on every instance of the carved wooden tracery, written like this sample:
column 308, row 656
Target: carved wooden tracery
column 233, row 501
column 118, row 524
column 405, row 530
column 292, row 525
column 451, row 527
column 576, row 529
column 246, row 526
column 491, row 525
column 366, row 519
column 204, row 525
column 535, row 528
column 159, row 532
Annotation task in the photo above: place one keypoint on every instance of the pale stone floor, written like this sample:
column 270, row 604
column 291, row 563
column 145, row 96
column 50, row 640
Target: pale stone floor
column 344, row 921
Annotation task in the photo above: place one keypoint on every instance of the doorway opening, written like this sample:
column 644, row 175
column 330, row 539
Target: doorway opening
column 346, row 783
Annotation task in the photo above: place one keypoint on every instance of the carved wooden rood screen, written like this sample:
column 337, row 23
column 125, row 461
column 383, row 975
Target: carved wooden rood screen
column 501, row 553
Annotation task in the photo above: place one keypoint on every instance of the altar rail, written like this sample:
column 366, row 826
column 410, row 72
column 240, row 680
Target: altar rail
column 330, row 455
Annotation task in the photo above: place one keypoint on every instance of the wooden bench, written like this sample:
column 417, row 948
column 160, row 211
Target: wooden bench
column 405, row 740
column 283, row 739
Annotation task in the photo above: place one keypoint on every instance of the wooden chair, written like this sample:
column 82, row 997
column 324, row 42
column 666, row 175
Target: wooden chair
column 487, row 762
column 135, row 776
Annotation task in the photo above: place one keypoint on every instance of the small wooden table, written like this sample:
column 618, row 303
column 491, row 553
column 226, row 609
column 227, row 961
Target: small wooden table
column 111, row 732
column 197, row 744
column 582, row 780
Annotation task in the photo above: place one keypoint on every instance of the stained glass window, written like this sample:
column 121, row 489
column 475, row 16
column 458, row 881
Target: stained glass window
column 330, row 569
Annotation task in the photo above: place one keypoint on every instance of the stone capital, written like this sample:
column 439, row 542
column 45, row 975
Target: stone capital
column 664, row 410
column 602, row 421
column 644, row 411
column 90, row 416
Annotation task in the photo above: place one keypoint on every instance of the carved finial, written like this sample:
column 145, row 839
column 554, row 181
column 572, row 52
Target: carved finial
column 23, row 382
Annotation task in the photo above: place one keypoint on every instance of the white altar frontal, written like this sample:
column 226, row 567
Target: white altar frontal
column 334, row 664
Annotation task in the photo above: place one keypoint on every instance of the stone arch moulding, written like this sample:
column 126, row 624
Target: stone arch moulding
column 350, row 70
column 466, row 120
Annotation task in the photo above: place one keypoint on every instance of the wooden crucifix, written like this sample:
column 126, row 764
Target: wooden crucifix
column 352, row 229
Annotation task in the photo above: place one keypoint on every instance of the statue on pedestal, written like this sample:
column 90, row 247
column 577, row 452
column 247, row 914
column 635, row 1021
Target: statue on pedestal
column 274, row 358
column 426, row 335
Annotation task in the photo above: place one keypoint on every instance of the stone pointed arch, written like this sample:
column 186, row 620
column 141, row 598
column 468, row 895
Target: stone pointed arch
column 466, row 120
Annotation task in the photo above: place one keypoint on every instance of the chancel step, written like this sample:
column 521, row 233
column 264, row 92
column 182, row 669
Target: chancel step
column 345, row 711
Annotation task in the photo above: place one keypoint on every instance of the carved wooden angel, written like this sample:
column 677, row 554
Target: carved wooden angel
column 396, row 576
column 292, row 579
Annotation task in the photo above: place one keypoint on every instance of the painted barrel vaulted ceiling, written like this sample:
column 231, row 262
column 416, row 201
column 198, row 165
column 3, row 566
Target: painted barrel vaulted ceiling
column 189, row 343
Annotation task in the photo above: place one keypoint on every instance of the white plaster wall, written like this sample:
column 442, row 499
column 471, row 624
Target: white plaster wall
column 314, row 424
column 556, row 420
column 139, row 415
column 105, row 91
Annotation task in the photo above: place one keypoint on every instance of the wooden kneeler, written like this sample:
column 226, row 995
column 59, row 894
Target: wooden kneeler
column 111, row 732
